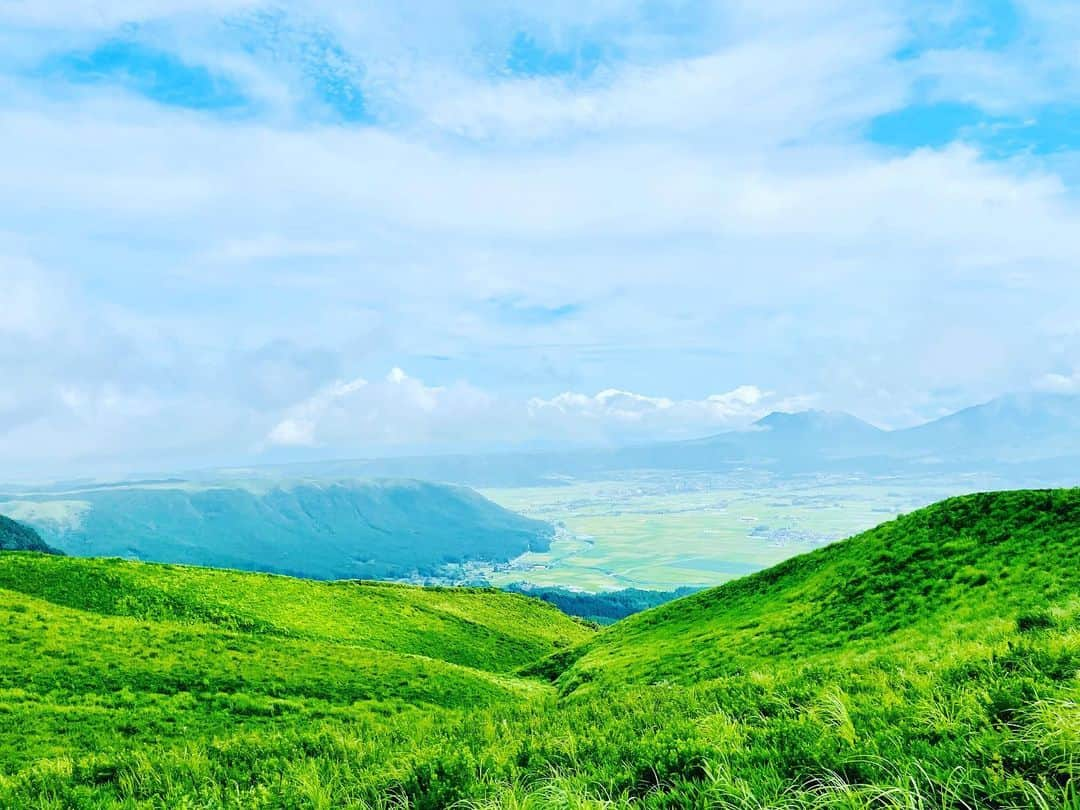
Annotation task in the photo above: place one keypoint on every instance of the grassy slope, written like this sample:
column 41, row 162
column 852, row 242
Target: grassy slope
column 108, row 658
column 959, row 569
column 76, row 667
column 933, row 662
column 484, row 629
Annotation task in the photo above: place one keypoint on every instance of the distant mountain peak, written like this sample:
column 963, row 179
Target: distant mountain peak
column 817, row 421
column 1013, row 427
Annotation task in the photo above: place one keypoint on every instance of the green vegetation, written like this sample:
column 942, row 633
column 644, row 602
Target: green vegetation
column 605, row 607
column 933, row 662
column 369, row 529
column 16, row 537
column 479, row 628
column 958, row 571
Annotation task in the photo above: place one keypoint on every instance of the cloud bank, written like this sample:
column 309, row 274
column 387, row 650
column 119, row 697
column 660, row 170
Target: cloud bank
column 402, row 413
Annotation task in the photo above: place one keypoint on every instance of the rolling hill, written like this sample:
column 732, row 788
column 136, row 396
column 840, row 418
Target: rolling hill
column 931, row 662
column 373, row 529
column 967, row 565
column 482, row 628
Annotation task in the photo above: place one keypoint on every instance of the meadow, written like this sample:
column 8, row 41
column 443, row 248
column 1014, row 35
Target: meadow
column 932, row 662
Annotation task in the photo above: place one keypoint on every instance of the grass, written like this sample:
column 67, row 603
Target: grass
column 480, row 628
column 930, row 663
column 968, row 569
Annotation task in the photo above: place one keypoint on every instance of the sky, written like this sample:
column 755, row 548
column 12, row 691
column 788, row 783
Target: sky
column 235, row 231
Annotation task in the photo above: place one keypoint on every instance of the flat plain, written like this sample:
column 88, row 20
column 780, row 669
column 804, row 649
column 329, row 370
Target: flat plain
column 659, row 530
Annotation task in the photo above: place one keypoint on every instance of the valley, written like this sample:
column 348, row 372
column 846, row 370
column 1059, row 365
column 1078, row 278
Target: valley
column 661, row 530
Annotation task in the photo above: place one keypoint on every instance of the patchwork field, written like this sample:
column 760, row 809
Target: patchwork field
column 662, row 531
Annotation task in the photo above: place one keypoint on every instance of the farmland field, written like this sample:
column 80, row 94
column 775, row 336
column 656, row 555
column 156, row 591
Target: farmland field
column 662, row 531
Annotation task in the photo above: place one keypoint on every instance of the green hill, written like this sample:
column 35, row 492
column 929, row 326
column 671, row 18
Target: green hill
column 16, row 537
column 933, row 662
column 116, row 658
column 371, row 529
column 963, row 568
column 484, row 629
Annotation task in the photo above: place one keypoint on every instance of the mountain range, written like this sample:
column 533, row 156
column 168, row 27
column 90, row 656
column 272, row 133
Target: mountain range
column 1019, row 437
column 1014, row 432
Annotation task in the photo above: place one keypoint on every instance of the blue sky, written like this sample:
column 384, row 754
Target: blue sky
column 236, row 230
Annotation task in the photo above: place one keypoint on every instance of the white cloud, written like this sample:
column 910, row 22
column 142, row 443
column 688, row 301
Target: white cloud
column 28, row 308
column 740, row 95
column 107, row 14
column 271, row 247
column 298, row 429
column 401, row 411
column 619, row 415
column 704, row 204
column 96, row 388
column 1038, row 64
column 398, row 411
column 1059, row 383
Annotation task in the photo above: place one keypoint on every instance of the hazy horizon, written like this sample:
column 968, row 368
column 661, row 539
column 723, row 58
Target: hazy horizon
column 1035, row 423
